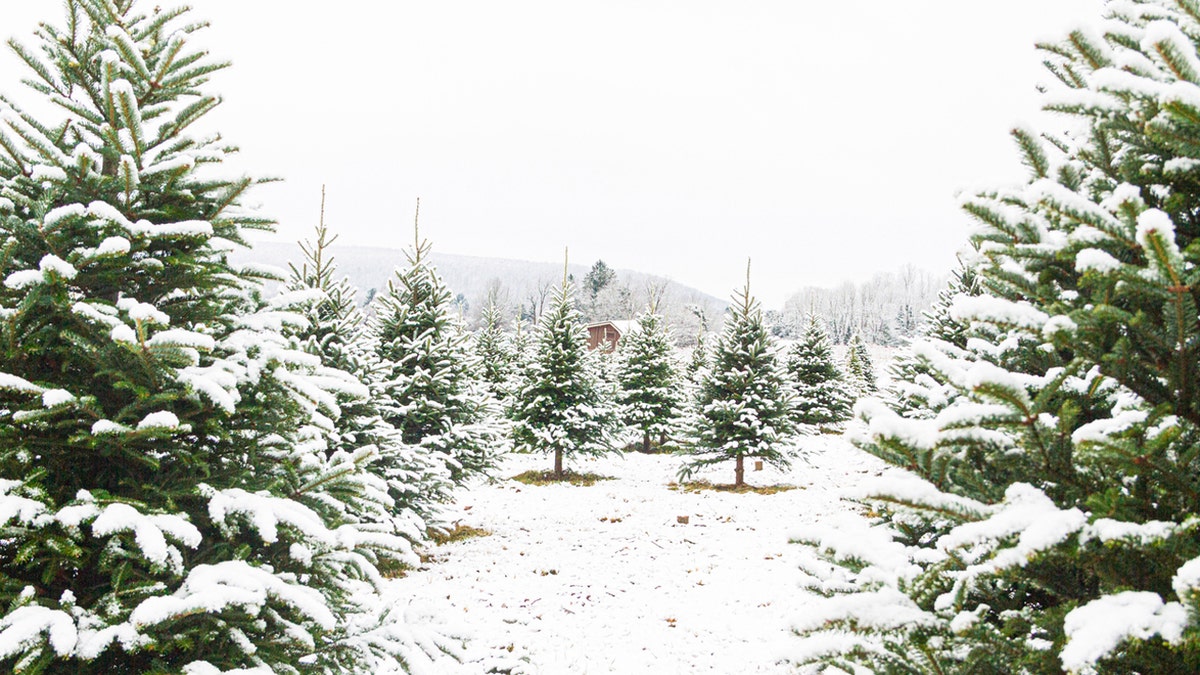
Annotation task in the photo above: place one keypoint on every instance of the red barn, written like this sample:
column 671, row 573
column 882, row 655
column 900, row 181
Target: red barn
column 606, row 334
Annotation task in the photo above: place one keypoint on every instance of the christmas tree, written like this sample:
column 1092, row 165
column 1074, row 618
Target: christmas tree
column 1053, row 524
column 416, row 480
column 860, row 370
column 743, row 406
column 430, row 374
column 495, row 351
column 562, row 407
column 820, row 389
column 169, row 500
column 650, row 387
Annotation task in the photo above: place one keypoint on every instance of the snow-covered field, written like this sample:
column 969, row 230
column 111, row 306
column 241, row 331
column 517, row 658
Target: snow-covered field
column 603, row 579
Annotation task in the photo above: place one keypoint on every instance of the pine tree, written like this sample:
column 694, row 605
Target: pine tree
column 495, row 351
column 168, row 504
column 429, row 372
column 859, row 367
column 820, row 389
column 562, row 407
column 417, row 481
column 1054, row 524
column 744, row 406
column 650, row 393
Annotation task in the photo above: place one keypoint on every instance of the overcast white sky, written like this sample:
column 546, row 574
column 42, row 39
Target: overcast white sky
column 824, row 140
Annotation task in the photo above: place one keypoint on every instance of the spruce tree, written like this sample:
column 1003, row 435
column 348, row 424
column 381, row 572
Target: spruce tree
column 743, row 406
column 1054, row 524
column 650, row 393
column 819, row 386
column 495, row 351
column 168, row 504
column 416, row 480
column 434, row 394
column 859, row 368
column 562, row 408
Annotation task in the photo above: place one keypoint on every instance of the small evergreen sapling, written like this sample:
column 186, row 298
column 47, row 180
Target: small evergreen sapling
column 563, row 408
column 651, row 389
column 860, row 370
column 743, row 406
column 416, row 480
column 819, row 386
column 430, row 374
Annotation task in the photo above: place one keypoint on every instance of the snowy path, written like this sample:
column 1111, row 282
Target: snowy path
column 602, row 579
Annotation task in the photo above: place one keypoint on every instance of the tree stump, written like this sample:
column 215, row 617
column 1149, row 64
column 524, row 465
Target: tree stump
column 758, row 465
column 682, row 520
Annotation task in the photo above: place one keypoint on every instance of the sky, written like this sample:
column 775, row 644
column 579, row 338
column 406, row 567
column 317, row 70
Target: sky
column 824, row 141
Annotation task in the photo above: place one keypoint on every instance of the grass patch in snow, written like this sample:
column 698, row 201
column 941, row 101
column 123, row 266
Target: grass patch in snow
column 548, row 478
column 699, row 485
column 459, row 533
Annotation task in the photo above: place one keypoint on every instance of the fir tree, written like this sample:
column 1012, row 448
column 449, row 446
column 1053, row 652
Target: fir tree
column 820, row 389
column 168, row 502
column 650, row 393
column 429, row 372
column 495, row 351
column 562, row 407
column 744, row 406
column 859, row 367
column 1055, row 526
column 417, row 481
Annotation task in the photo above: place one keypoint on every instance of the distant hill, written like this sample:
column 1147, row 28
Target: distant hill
column 521, row 284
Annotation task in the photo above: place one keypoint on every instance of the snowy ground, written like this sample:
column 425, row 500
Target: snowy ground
column 603, row 579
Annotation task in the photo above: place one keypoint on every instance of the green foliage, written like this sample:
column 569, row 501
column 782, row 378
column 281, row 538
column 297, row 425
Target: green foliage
column 563, row 408
column 650, row 393
column 168, row 496
column 429, row 374
column 743, row 407
column 1050, row 410
column 860, row 370
column 819, row 386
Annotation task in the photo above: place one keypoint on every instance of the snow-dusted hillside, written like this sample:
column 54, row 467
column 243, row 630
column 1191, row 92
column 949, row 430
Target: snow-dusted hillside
column 520, row 281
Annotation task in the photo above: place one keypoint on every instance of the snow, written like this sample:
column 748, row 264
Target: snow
column 56, row 397
column 1099, row 627
column 159, row 420
column 14, row 383
column 604, row 579
column 232, row 583
column 150, row 532
column 113, row 246
column 1094, row 259
column 26, row 625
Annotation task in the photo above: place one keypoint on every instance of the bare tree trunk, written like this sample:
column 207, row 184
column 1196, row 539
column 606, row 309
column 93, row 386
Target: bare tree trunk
column 558, row 469
column 740, row 472
column 646, row 442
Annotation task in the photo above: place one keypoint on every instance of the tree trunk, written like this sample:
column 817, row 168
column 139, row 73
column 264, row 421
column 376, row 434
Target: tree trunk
column 558, row 470
column 740, row 472
column 646, row 442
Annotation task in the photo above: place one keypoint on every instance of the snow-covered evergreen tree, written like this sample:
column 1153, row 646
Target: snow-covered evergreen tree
column 1053, row 526
column 744, row 405
column 562, row 408
column 915, row 388
column 860, row 370
column 651, row 392
column 496, row 352
column 168, row 500
column 819, row 386
column 417, row 480
column 430, row 374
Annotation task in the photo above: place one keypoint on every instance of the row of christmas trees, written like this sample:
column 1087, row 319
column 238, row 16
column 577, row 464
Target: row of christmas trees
column 197, row 477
